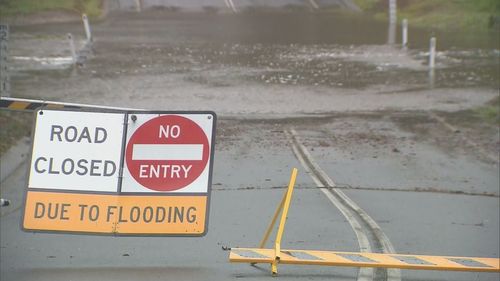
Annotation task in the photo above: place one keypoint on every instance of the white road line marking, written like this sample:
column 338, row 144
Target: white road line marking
column 301, row 151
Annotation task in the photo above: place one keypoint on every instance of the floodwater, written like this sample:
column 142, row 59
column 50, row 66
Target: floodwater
column 328, row 49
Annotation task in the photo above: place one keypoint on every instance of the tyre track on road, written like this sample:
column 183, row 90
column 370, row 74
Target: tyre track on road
column 367, row 231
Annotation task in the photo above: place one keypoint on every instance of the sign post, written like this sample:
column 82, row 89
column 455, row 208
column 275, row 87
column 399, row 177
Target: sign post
column 115, row 173
column 4, row 70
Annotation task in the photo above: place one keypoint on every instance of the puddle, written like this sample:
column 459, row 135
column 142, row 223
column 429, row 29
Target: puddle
column 20, row 63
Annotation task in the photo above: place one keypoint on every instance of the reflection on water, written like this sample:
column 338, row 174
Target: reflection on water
column 327, row 65
column 432, row 77
column 288, row 48
column 391, row 33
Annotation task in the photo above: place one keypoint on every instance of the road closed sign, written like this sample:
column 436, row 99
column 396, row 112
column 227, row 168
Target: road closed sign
column 132, row 173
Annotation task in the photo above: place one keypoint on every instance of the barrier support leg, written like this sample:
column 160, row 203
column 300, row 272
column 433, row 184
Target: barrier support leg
column 281, row 227
column 273, row 222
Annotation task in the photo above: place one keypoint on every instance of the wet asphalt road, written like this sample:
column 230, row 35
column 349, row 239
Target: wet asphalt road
column 362, row 110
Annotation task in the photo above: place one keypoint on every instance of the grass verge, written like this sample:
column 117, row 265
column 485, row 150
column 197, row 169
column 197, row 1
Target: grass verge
column 13, row 126
column 11, row 8
column 468, row 15
column 489, row 112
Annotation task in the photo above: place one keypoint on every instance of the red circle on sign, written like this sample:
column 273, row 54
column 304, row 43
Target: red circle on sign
column 167, row 153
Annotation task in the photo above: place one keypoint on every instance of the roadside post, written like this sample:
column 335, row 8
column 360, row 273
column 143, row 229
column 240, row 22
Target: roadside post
column 86, row 25
column 432, row 62
column 138, row 6
column 313, row 4
column 432, row 52
column 132, row 173
column 391, row 32
column 404, row 34
column 392, row 11
column 4, row 69
column 72, row 48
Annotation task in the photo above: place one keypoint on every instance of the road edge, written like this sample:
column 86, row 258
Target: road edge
column 14, row 157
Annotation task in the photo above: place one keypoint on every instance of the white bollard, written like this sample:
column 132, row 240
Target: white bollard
column 86, row 25
column 138, row 6
column 314, row 4
column 392, row 11
column 432, row 53
column 391, row 32
column 72, row 47
column 405, row 33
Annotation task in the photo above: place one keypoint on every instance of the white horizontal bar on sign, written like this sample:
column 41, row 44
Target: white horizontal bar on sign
column 167, row 152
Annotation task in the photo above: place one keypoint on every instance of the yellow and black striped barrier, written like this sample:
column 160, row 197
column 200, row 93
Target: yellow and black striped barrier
column 276, row 255
column 26, row 105
column 30, row 105
column 332, row 258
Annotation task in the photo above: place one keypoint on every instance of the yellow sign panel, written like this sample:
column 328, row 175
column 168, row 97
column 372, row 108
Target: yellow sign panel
column 257, row 255
column 123, row 214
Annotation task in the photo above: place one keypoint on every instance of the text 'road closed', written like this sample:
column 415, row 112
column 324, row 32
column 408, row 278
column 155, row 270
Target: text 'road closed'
column 69, row 166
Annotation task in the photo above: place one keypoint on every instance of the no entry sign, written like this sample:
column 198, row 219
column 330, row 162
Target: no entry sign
column 131, row 173
column 168, row 153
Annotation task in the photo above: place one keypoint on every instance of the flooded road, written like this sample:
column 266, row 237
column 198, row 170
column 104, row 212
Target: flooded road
column 410, row 150
column 219, row 58
column 324, row 49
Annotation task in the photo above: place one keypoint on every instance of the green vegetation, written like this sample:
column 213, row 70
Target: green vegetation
column 9, row 8
column 14, row 125
column 367, row 5
column 490, row 112
column 471, row 15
